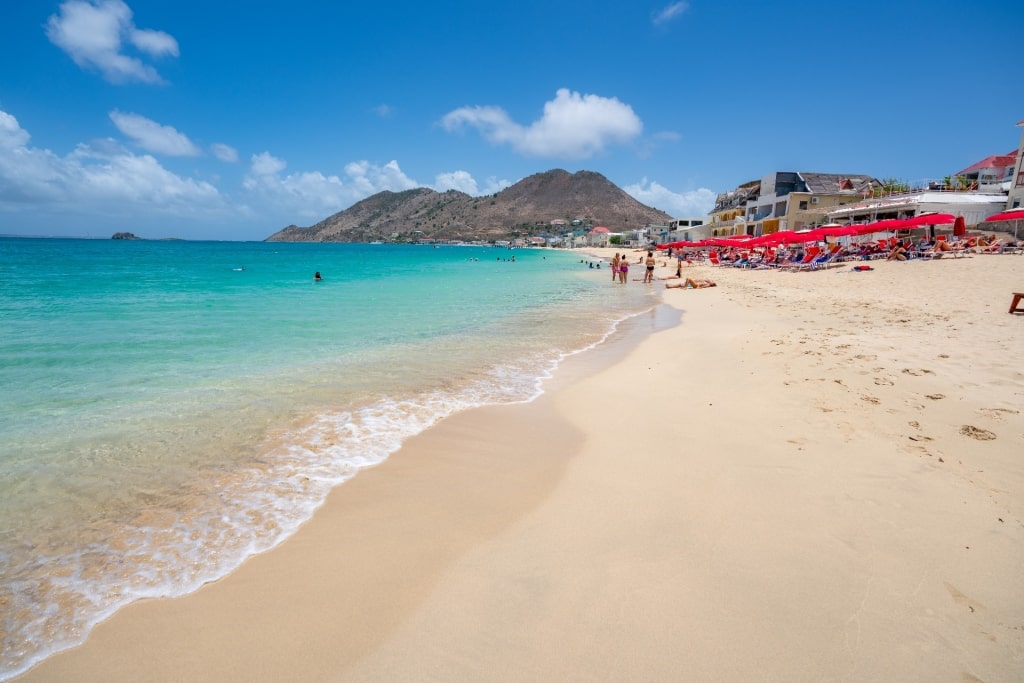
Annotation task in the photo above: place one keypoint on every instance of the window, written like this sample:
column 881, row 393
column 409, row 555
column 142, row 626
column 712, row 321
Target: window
column 803, row 206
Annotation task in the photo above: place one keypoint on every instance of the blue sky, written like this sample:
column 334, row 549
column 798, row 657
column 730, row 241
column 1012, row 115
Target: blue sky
column 231, row 120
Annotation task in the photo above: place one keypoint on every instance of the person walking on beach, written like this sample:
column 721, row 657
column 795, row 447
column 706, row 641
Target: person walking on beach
column 615, row 266
column 649, row 262
column 623, row 270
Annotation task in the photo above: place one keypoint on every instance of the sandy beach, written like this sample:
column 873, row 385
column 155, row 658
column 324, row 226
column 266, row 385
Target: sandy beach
column 788, row 477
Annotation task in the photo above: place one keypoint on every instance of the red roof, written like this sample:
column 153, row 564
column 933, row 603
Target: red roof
column 994, row 161
column 600, row 229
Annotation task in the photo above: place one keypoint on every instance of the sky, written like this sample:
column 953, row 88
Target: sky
column 229, row 121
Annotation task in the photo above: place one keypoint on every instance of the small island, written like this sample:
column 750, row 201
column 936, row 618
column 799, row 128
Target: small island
column 124, row 236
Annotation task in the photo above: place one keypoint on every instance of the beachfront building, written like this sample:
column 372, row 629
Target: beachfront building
column 690, row 229
column 598, row 237
column 728, row 216
column 991, row 175
column 1015, row 193
column 798, row 200
column 786, row 200
column 975, row 207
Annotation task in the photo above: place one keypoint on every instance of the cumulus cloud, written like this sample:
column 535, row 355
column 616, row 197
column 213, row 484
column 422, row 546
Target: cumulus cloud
column 463, row 181
column 456, row 180
column 311, row 194
column 224, row 152
column 667, row 14
column 153, row 137
column 98, row 177
column 94, row 33
column 573, row 126
column 691, row 203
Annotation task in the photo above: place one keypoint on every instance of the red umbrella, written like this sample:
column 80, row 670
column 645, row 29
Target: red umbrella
column 959, row 227
column 1015, row 215
column 930, row 219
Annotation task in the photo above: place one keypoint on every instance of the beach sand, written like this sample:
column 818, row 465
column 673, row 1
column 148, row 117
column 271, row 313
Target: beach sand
column 812, row 476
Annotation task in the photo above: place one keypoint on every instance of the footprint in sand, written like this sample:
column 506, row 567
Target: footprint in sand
column 998, row 413
column 977, row 433
column 935, row 397
column 865, row 356
column 883, row 382
column 870, row 399
column 917, row 373
column 961, row 599
column 915, row 424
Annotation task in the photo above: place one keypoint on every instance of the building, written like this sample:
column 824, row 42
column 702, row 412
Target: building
column 975, row 207
column 993, row 174
column 727, row 218
column 598, row 237
column 787, row 200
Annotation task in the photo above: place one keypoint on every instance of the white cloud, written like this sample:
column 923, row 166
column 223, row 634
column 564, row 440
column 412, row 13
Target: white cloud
column 692, row 203
column 573, row 126
column 383, row 110
column 153, row 137
column 93, row 33
column 265, row 164
column 670, row 12
column 463, row 181
column 456, row 180
column 311, row 194
column 98, row 178
column 370, row 179
column 493, row 185
column 154, row 43
column 12, row 135
column 225, row 153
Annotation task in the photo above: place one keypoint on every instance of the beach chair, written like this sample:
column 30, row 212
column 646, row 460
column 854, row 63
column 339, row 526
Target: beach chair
column 995, row 247
column 713, row 258
column 811, row 254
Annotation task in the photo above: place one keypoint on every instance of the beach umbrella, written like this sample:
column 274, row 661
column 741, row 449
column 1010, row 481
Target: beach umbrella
column 1015, row 215
column 923, row 219
column 959, row 226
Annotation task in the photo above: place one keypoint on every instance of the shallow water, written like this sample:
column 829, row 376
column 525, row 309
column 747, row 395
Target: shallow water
column 170, row 408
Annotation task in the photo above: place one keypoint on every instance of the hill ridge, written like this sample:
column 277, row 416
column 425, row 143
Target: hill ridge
column 526, row 208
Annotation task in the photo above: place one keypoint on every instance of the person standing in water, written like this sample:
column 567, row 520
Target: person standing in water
column 649, row 262
column 615, row 266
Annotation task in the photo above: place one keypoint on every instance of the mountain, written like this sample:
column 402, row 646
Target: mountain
column 526, row 208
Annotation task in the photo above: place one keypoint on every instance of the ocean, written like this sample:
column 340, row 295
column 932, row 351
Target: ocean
column 170, row 408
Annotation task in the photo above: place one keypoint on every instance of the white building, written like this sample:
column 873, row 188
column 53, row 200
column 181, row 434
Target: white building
column 975, row 207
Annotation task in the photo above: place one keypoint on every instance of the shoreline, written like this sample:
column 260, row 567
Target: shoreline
column 777, row 487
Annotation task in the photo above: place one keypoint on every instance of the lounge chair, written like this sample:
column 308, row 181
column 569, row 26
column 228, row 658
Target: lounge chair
column 811, row 254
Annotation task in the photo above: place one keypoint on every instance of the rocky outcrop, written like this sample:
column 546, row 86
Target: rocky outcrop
column 124, row 236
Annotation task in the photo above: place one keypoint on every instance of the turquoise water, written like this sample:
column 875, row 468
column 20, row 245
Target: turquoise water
column 170, row 408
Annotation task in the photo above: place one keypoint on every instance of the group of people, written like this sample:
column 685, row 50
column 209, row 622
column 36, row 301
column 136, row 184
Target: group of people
column 620, row 267
column 620, row 273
